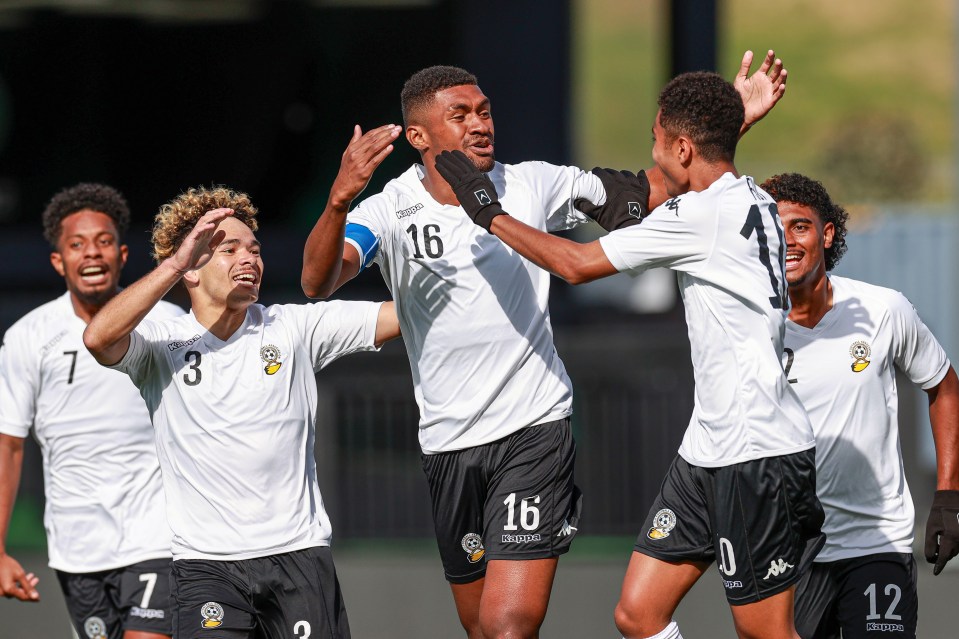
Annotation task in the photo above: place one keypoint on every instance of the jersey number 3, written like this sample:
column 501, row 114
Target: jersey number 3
column 777, row 276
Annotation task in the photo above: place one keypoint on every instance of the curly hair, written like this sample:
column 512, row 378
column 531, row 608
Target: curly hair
column 799, row 189
column 178, row 217
column 418, row 92
column 705, row 108
column 86, row 195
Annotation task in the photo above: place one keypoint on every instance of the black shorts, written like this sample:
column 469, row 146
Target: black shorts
column 511, row 499
column 294, row 594
column 869, row 596
column 761, row 519
column 105, row 604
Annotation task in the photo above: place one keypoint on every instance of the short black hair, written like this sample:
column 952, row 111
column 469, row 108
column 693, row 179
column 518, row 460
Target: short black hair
column 419, row 90
column 799, row 189
column 705, row 108
column 86, row 195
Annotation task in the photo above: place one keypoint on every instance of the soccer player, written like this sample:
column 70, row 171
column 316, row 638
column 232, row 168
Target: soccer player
column 742, row 489
column 845, row 339
column 105, row 516
column 493, row 395
column 232, row 394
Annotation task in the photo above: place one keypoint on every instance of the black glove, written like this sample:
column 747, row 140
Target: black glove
column 942, row 529
column 472, row 187
column 627, row 199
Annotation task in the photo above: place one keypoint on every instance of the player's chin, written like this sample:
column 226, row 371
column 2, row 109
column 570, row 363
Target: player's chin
column 482, row 161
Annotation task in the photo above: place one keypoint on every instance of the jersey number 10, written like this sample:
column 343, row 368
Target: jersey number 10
column 777, row 277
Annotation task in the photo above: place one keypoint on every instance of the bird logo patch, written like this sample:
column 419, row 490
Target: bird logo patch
column 860, row 353
column 271, row 357
column 212, row 614
column 663, row 522
column 473, row 545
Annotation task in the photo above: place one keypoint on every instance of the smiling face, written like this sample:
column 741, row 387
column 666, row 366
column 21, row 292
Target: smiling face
column 807, row 239
column 232, row 276
column 458, row 118
column 89, row 256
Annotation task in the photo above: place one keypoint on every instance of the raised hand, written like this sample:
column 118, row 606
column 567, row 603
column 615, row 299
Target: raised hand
column 761, row 90
column 197, row 248
column 363, row 154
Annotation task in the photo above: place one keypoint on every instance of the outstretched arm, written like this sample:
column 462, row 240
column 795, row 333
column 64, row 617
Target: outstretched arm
column 107, row 337
column 761, row 90
column 327, row 263
column 942, row 527
column 14, row 581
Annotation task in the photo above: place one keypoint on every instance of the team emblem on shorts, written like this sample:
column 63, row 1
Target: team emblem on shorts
column 473, row 545
column 270, row 354
column 212, row 615
column 663, row 522
column 95, row 628
column 860, row 352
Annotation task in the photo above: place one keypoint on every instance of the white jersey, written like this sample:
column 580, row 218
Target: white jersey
column 726, row 244
column 235, row 423
column 474, row 313
column 844, row 370
column 104, row 499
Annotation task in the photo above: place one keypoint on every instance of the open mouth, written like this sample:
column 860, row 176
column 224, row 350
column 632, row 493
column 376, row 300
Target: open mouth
column 481, row 147
column 94, row 274
column 248, row 279
column 793, row 260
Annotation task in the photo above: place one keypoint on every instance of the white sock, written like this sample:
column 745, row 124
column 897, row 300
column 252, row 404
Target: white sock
column 669, row 632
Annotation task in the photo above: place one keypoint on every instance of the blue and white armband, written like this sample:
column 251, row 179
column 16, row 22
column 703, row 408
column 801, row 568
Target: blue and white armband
column 365, row 243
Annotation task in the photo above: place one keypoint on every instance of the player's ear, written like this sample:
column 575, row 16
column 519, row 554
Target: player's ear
column 828, row 234
column 417, row 136
column 124, row 252
column 684, row 150
column 57, row 261
column 191, row 278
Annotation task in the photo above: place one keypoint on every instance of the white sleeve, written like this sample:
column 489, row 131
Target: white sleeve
column 137, row 362
column 665, row 238
column 917, row 352
column 19, row 384
column 558, row 187
column 366, row 214
column 334, row 329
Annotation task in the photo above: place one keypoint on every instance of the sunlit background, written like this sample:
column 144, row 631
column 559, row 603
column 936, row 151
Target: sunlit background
column 154, row 96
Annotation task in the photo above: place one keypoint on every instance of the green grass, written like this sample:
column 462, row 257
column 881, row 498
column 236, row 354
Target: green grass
column 854, row 67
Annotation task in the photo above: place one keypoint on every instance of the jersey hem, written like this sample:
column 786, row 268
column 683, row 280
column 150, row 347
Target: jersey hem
column 747, row 458
column 73, row 570
column 482, row 442
column 253, row 554
column 825, row 556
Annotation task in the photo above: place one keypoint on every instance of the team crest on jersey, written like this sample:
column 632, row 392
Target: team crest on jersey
column 860, row 353
column 212, row 613
column 270, row 355
column 95, row 628
column 663, row 522
column 473, row 545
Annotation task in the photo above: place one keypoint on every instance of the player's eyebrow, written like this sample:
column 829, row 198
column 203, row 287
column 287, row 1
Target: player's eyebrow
column 800, row 220
column 236, row 241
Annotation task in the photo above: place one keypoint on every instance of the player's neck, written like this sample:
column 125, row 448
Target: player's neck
column 436, row 186
column 221, row 320
column 809, row 302
column 706, row 173
column 86, row 309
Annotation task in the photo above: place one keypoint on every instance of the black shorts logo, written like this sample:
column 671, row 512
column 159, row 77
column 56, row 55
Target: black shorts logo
column 473, row 545
column 663, row 522
column 95, row 628
column 212, row 613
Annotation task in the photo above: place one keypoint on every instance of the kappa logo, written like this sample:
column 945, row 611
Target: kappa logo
column 95, row 628
column 483, row 197
column 175, row 345
column 663, row 522
column 53, row 342
column 270, row 355
column 673, row 205
column 566, row 529
column 473, row 545
column 408, row 211
column 212, row 614
column 860, row 352
column 777, row 568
